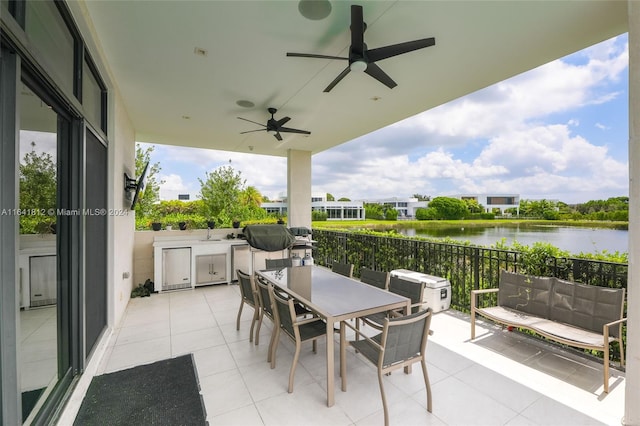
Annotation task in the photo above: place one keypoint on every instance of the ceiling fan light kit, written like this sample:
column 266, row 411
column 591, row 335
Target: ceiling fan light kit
column 361, row 58
column 358, row 66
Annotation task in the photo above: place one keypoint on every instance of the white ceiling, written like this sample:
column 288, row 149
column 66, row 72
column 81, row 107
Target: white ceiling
column 149, row 47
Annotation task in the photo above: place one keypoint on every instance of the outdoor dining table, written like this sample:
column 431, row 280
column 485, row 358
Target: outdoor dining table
column 335, row 298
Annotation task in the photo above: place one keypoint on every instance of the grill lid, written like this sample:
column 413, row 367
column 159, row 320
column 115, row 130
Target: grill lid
column 269, row 237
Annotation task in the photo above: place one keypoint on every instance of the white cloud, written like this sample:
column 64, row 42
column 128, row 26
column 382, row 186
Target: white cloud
column 499, row 139
column 528, row 135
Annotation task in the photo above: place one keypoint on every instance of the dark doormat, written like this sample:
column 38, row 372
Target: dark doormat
column 29, row 400
column 163, row 393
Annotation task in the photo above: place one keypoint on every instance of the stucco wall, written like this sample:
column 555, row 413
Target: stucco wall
column 122, row 152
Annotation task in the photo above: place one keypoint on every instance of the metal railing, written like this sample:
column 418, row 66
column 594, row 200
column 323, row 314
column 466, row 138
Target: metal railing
column 466, row 267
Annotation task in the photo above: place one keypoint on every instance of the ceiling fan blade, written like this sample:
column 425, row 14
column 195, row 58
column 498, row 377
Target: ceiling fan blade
column 357, row 29
column 282, row 121
column 376, row 72
column 277, row 136
column 254, row 122
column 381, row 53
column 290, row 130
column 251, row 131
column 311, row 55
column 337, row 79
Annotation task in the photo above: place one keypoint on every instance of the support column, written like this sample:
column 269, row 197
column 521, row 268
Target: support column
column 632, row 384
column 299, row 188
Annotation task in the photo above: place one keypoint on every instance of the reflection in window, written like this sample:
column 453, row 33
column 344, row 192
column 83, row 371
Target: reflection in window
column 91, row 97
column 51, row 36
column 38, row 355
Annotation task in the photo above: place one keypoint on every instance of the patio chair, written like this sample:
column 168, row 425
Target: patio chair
column 248, row 296
column 403, row 342
column 378, row 279
column 262, row 290
column 266, row 309
column 278, row 263
column 298, row 330
column 345, row 269
column 409, row 289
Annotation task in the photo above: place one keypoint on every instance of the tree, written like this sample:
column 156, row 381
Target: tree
column 473, row 206
column 426, row 214
column 373, row 211
column 344, row 199
column 330, row 197
column 221, row 193
column 391, row 214
column 421, row 197
column 151, row 193
column 538, row 208
column 251, row 200
column 251, row 197
column 38, row 191
column 449, row 208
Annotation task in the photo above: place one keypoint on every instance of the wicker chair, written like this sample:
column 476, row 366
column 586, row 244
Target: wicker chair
column 403, row 342
column 262, row 287
column 248, row 296
column 298, row 330
column 409, row 289
column 378, row 279
column 278, row 263
column 345, row 269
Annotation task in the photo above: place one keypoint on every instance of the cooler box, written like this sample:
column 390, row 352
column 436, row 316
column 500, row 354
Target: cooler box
column 437, row 290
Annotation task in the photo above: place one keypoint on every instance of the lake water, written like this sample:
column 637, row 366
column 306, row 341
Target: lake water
column 573, row 240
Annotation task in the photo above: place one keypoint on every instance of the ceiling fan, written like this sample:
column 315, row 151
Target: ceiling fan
column 274, row 126
column 363, row 59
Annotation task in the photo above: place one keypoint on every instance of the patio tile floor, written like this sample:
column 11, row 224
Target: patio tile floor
column 501, row 378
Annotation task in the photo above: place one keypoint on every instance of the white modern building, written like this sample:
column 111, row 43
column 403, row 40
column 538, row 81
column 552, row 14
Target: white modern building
column 406, row 207
column 494, row 202
column 335, row 210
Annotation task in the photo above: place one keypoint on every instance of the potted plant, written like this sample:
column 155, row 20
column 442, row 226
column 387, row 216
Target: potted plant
column 211, row 224
column 236, row 223
column 182, row 225
column 156, row 226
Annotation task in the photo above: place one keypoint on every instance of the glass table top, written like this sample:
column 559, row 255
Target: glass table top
column 329, row 293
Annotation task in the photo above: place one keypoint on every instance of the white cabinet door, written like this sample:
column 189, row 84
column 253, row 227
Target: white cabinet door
column 176, row 268
column 211, row 269
column 42, row 280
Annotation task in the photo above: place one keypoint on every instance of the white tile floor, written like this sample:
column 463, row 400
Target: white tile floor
column 501, row 378
column 38, row 351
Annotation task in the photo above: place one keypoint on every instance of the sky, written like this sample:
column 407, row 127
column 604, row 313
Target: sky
column 558, row 132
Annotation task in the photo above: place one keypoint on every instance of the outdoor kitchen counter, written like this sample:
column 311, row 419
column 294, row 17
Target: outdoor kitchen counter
column 199, row 245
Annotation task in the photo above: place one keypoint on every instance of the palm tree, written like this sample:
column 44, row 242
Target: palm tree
column 251, row 197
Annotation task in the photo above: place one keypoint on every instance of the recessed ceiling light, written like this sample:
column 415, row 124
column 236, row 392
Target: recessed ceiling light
column 314, row 9
column 245, row 104
column 199, row 51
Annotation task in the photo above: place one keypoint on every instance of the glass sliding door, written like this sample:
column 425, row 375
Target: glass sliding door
column 43, row 355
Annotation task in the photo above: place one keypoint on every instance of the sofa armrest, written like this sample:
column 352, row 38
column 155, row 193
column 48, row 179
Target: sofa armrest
column 485, row 290
column 474, row 295
column 612, row 323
